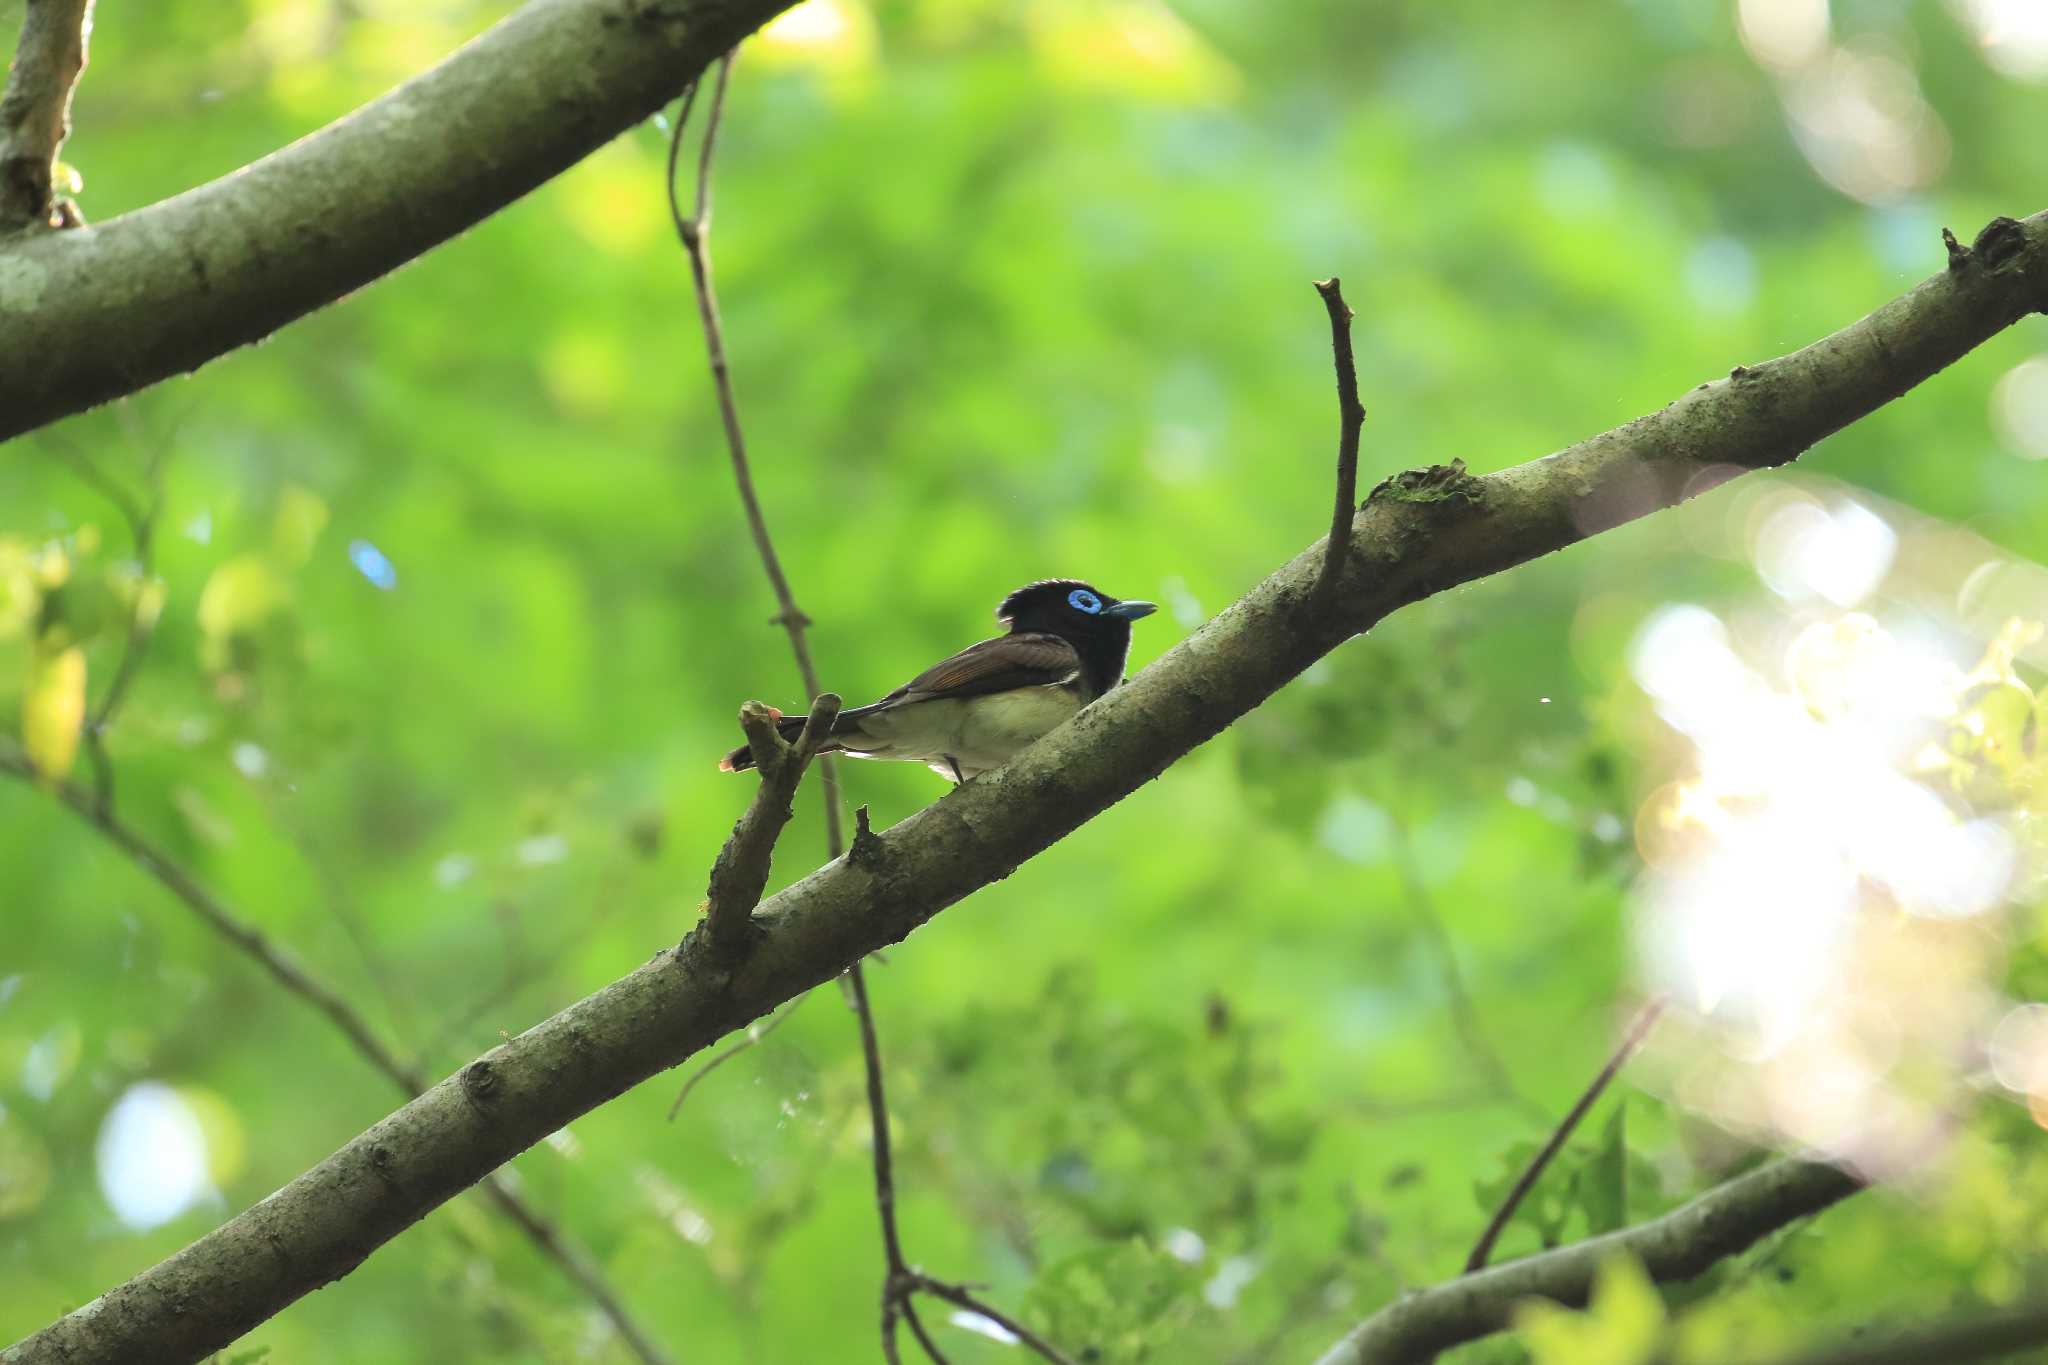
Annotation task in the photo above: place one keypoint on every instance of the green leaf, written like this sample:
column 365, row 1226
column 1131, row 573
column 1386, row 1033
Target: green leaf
column 1623, row 1324
column 1603, row 1180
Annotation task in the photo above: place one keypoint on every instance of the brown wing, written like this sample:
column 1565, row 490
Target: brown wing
column 1025, row 659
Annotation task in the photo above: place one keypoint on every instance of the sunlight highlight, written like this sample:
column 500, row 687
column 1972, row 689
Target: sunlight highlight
column 152, row 1156
column 2013, row 35
column 1829, row 869
column 2019, row 407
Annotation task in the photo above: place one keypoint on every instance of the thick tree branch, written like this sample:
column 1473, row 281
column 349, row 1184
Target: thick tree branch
column 96, row 810
column 89, row 315
column 1418, row 535
column 1682, row 1244
column 35, row 112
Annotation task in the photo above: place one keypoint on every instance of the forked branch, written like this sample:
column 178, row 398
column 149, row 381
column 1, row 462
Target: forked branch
column 728, row 931
column 35, row 113
column 741, row 871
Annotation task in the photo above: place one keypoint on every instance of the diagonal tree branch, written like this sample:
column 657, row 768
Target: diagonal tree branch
column 286, row 971
column 35, row 113
column 1417, row 535
column 90, row 315
column 1678, row 1246
column 1951, row 1341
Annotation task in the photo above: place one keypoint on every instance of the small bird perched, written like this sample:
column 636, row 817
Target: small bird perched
column 970, row 713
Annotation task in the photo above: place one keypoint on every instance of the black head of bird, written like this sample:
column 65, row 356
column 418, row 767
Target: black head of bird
column 1066, row 646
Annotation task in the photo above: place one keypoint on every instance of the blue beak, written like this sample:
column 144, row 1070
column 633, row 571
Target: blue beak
column 1129, row 611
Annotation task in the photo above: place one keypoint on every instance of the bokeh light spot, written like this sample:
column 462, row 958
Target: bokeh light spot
column 152, row 1156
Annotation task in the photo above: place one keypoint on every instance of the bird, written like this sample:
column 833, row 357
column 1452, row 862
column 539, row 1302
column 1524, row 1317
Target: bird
column 965, row 715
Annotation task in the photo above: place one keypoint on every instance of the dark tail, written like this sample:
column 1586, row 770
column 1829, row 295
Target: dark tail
column 742, row 758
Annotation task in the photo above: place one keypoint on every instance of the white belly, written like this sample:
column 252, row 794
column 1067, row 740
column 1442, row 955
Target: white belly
column 978, row 733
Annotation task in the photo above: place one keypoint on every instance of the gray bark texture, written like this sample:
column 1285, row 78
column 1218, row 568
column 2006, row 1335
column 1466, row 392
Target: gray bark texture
column 1682, row 1244
column 101, row 311
column 35, row 109
column 1418, row 534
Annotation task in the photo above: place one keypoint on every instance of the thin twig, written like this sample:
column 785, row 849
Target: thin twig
column 750, row 1037
column 694, row 232
column 901, row 1281
column 88, row 470
column 1464, row 1012
column 1351, row 416
column 35, row 113
column 141, row 516
column 295, row 979
column 1631, row 1039
column 959, row 1297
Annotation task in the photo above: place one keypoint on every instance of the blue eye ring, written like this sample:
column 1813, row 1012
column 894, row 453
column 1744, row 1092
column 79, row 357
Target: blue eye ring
column 1082, row 600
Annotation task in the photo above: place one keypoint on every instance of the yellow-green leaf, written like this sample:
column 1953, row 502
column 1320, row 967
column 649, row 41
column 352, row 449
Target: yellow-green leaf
column 1623, row 1325
column 20, row 599
column 53, row 710
column 238, row 596
column 301, row 517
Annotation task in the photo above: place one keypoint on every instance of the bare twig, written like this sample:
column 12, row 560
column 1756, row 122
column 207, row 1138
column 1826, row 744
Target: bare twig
column 961, row 1298
column 740, row 873
column 1680, row 1245
column 1351, row 416
column 694, row 231
column 1464, row 1013
column 1631, row 1039
column 35, row 113
column 749, row 1037
column 1951, row 1341
column 286, row 971
column 900, row 1281
column 89, row 472
column 141, row 515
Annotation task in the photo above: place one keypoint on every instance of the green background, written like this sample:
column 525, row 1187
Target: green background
column 1011, row 291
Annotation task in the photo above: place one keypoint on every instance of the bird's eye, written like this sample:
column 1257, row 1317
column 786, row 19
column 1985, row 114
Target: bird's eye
column 1080, row 599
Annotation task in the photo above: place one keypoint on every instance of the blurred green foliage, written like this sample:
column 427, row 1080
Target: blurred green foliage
column 455, row 608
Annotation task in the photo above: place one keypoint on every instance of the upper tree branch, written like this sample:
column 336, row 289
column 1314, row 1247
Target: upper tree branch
column 87, row 316
column 1416, row 536
column 35, row 110
column 1680, row 1245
